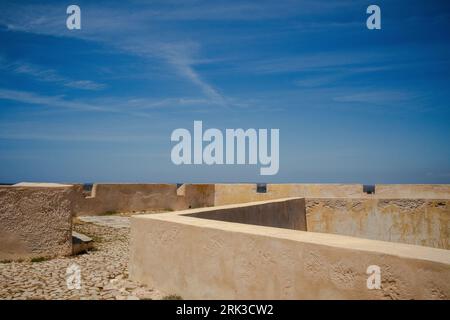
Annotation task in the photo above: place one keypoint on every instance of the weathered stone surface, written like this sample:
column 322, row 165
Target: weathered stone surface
column 35, row 221
column 246, row 192
column 107, row 221
column 210, row 259
column 423, row 222
column 104, row 272
column 81, row 243
column 240, row 193
column 125, row 198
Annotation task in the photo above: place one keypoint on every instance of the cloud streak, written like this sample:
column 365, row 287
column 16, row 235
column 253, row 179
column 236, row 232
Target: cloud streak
column 118, row 33
column 138, row 107
column 48, row 75
column 51, row 101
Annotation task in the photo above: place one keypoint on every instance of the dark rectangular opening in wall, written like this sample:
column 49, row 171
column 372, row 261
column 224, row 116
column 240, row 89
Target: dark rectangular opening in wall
column 179, row 185
column 261, row 188
column 369, row 188
column 87, row 187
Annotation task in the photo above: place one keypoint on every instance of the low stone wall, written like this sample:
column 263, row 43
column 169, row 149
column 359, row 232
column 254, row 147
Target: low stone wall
column 281, row 213
column 109, row 198
column 241, row 193
column 210, row 259
column 413, row 221
column 141, row 197
column 35, row 221
column 413, row 191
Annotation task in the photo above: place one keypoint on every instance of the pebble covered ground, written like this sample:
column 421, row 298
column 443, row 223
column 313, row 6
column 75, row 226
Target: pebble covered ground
column 104, row 271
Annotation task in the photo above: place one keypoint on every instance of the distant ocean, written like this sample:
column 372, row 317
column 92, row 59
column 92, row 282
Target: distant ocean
column 86, row 186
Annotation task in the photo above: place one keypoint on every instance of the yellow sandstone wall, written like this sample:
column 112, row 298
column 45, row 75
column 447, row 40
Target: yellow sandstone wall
column 141, row 197
column 208, row 259
column 414, row 221
column 126, row 198
column 240, row 193
column 424, row 191
column 35, row 221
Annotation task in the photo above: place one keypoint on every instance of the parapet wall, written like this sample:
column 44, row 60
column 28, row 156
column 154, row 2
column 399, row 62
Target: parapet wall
column 240, row 193
column 125, row 198
column 35, row 221
column 210, row 259
column 141, row 197
column 414, row 221
column 413, row 191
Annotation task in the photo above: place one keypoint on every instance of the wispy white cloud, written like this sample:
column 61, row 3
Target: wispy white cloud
column 81, row 137
column 332, row 76
column 47, row 75
column 246, row 10
column 51, row 101
column 85, row 85
column 315, row 61
column 138, row 107
column 36, row 130
column 176, row 56
column 378, row 97
column 116, row 29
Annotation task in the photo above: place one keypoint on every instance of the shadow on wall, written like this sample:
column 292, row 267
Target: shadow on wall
column 282, row 213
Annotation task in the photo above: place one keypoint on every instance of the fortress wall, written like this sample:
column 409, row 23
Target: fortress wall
column 126, row 198
column 206, row 259
column 240, row 193
column 35, row 221
column 140, row 197
column 425, row 191
column 423, row 222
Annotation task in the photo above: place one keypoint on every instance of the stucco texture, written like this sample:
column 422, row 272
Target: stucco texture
column 414, row 221
column 125, row 198
column 35, row 222
column 210, row 259
column 240, row 193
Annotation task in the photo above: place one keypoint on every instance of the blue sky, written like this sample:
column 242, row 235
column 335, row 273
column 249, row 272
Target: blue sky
column 99, row 104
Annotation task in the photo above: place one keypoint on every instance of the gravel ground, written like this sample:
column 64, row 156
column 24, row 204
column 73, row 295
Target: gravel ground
column 104, row 272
